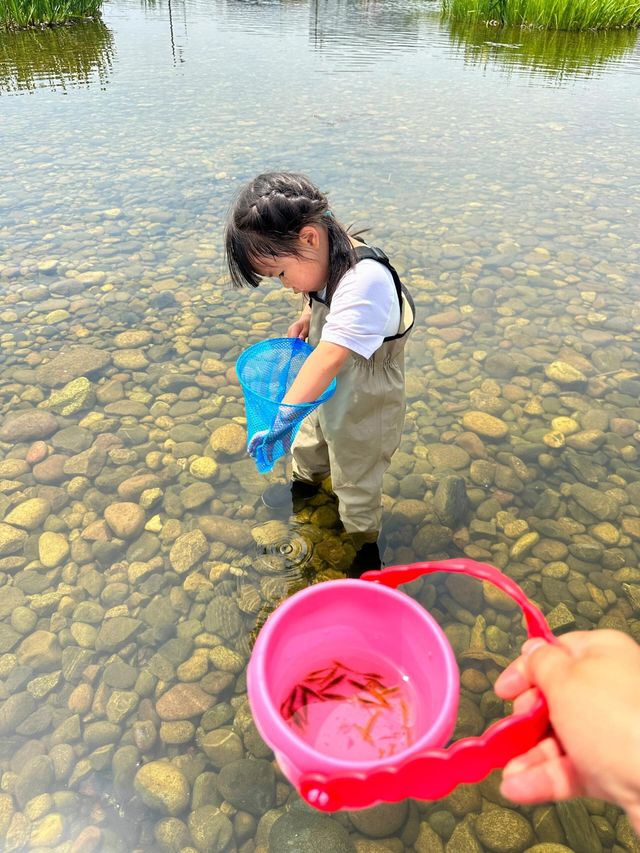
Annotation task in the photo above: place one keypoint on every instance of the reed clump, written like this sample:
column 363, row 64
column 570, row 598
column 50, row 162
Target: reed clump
column 549, row 14
column 23, row 14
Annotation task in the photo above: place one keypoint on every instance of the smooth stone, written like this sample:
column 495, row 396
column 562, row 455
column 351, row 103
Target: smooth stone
column 40, row 651
column 29, row 514
column 126, row 519
column 504, row 831
column 485, row 425
column 211, row 829
column 53, row 549
column 12, row 539
column 182, row 702
column 70, row 364
column 379, row 821
column 162, row 787
column 307, row 832
column 229, row 440
column 30, row 426
column 115, row 632
column 249, row 784
column 221, row 747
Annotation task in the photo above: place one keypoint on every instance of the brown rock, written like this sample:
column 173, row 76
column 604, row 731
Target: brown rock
column 182, row 702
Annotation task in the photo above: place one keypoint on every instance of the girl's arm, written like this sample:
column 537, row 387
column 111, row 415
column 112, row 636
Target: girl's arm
column 316, row 373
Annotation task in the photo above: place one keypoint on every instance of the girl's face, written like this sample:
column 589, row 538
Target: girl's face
column 304, row 273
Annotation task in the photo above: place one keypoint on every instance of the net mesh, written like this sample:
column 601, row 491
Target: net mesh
column 266, row 371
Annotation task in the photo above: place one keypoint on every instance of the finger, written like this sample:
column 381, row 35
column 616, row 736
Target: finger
column 548, row 667
column 514, row 680
column 526, row 700
column 555, row 779
column 547, row 750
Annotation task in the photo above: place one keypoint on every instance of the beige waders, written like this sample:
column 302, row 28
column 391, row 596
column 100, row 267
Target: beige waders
column 356, row 432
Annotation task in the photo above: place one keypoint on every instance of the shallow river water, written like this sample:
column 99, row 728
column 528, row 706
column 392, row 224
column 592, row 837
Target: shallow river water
column 500, row 171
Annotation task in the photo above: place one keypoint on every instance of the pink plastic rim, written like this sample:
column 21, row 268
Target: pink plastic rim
column 265, row 707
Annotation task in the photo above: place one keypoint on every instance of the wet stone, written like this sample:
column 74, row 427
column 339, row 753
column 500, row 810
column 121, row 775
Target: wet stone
column 162, row 787
column 29, row 426
column 188, row 550
column 382, row 820
column 305, row 832
column 115, row 632
column 211, row 829
column 248, row 784
column 503, row 831
column 182, row 702
column 221, row 746
column 12, row 539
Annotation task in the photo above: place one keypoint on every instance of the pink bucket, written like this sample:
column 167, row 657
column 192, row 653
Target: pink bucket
column 355, row 688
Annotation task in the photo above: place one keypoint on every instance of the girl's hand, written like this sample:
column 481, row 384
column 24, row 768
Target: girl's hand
column 300, row 329
column 591, row 681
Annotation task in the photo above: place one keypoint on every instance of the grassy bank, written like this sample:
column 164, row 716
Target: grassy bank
column 551, row 14
column 20, row 14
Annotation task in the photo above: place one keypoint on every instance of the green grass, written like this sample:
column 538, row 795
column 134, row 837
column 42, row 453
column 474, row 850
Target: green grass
column 19, row 14
column 550, row 14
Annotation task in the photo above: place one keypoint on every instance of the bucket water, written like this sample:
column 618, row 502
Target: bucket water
column 266, row 371
column 355, row 688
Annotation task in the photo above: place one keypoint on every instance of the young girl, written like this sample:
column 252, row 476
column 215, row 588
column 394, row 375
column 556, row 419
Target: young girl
column 357, row 316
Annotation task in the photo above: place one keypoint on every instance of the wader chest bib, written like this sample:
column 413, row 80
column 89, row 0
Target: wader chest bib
column 355, row 433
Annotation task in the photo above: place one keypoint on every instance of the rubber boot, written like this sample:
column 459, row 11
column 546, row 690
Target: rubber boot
column 367, row 553
column 284, row 494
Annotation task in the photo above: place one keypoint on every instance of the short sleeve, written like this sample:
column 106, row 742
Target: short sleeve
column 364, row 309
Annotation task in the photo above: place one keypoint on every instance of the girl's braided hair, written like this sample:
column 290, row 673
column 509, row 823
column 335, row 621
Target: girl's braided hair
column 266, row 219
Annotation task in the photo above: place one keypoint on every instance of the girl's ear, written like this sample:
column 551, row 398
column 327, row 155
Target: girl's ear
column 310, row 237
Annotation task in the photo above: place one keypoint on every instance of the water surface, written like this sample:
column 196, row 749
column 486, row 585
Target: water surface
column 499, row 169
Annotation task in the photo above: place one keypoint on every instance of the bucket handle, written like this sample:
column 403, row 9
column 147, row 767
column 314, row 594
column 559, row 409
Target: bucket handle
column 436, row 772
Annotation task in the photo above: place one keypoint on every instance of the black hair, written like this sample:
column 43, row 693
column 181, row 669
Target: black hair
column 265, row 221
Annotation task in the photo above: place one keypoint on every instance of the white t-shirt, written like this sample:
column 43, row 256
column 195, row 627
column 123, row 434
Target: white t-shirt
column 364, row 309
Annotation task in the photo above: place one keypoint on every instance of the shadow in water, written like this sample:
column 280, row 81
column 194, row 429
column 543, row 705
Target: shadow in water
column 554, row 54
column 61, row 57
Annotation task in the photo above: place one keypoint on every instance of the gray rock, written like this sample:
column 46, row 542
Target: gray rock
column 211, row 830
column 115, row 632
column 35, row 777
column 68, row 365
column 580, row 831
column 450, row 501
column 307, row 832
column 249, row 784
column 379, row 821
column 14, row 710
column 223, row 617
column 594, row 502
column 504, row 831
column 29, row 426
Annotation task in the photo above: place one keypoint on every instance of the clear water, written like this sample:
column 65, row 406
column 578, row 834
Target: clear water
column 501, row 172
column 361, row 708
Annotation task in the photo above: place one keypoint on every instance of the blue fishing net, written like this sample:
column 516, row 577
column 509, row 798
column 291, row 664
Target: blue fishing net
column 266, row 372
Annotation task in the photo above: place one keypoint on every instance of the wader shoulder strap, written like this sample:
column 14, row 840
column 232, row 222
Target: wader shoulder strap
column 373, row 253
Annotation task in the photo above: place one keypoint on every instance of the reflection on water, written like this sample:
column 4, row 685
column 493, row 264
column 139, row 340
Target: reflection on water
column 137, row 558
column 554, row 54
column 60, row 57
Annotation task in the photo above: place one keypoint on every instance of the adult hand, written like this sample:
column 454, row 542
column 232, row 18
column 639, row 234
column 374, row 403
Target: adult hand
column 591, row 681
